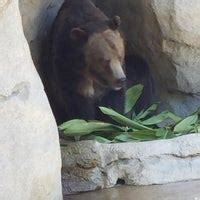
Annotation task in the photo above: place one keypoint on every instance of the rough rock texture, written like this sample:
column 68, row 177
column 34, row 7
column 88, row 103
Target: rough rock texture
column 29, row 149
column 89, row 165
column 166, row 34
column 37, row 18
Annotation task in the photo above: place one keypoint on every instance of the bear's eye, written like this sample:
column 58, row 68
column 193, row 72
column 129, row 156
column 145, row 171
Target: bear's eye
column 104, row 61
column 107, row 64
column 107, row 61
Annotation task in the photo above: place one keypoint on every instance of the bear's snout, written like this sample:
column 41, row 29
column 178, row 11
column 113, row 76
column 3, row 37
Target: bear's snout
column 121, row 81
column 119, row 77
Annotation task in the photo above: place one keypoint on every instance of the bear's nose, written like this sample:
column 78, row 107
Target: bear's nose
column 121, row 81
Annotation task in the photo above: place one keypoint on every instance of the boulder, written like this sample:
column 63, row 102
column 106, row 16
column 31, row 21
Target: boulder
column 89, row 165
column 166, row 34
column 30, row 160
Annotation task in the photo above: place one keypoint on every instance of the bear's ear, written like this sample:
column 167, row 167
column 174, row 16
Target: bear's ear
column 78, row 34
column 115, row 23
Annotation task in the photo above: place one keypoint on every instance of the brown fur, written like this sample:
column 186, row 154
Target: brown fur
column 85, row 59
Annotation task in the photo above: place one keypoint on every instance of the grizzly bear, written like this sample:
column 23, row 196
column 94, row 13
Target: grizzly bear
column 85, row 66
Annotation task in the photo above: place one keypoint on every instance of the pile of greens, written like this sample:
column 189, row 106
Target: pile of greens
column 144, row 126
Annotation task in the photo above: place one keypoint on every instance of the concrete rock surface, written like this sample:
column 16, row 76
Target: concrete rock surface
column 30, row 160
column 89, row 165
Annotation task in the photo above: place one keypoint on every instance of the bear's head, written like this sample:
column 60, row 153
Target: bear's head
column 104, row 55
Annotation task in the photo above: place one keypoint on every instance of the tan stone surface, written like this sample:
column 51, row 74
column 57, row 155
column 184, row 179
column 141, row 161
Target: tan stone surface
column 29, row 148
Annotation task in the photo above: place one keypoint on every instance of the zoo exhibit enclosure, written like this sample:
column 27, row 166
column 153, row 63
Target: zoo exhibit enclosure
column 171, row 53
column 161, row 32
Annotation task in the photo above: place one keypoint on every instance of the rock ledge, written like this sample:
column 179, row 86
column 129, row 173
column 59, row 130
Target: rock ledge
column 89, row 165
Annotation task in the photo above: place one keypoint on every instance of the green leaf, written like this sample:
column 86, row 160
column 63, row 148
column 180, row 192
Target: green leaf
column 186, row 125
column 163, row 133
column 122, row 138
column 145, row 113
column 160, row 118
column 70, row 123
column 123, row 120
column 81, row 127
column 139, row 114
column 132, row 96
column 197, row 128
column 102, row 140
column 174, row 117
column 143, row 135
column 132, row 130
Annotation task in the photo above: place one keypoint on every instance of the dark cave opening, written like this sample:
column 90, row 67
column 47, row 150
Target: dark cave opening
column 138, row 72
column 120, row 181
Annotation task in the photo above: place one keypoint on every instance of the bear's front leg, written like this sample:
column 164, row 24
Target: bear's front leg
column 114, row 100
column 83, row 108
column 81, row 102
column 79, row 107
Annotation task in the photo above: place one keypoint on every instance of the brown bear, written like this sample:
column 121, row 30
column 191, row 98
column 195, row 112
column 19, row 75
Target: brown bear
column 85, row 67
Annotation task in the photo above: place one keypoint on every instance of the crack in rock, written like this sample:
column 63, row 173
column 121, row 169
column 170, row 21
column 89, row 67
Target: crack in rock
column 182, row 156
column 21, row 91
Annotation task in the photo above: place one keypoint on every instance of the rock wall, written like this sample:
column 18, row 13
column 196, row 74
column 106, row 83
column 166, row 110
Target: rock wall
column 166, row 34
column 29, row 148
column 37, row 18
